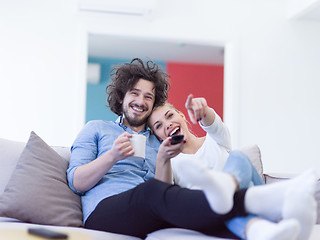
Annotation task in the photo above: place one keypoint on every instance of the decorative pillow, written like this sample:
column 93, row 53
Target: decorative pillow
column 38, row 191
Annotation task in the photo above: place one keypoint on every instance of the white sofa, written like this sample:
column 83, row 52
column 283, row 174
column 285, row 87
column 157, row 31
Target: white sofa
column 32, row 195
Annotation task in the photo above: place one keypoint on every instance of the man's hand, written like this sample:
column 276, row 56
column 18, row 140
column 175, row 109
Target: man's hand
column 121, row 147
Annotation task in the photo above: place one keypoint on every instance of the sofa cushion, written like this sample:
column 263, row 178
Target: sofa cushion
column 37, row 191
column 182, row 234
column 64, row 152
column 9, row 155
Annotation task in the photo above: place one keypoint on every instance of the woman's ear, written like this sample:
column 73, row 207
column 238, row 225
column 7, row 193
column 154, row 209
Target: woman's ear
column 182, row 115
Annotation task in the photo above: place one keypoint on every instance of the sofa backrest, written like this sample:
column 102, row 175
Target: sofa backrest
column 10, row 152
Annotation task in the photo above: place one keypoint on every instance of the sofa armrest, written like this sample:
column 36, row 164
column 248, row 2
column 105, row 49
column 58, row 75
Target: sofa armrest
column 276, row 177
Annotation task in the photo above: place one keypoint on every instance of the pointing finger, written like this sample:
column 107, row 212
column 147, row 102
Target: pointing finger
column 188, row 101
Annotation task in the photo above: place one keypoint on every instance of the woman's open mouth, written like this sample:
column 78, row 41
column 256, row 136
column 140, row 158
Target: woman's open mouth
column 175, row 131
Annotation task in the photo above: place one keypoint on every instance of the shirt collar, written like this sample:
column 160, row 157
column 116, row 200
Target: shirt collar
column 119, row 121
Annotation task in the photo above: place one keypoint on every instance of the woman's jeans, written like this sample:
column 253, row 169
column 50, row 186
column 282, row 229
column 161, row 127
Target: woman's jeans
column 239, row 166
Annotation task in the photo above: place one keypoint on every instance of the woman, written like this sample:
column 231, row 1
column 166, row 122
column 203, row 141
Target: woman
column 201, row 161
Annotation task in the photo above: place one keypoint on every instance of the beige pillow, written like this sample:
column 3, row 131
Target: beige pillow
column 38, row 191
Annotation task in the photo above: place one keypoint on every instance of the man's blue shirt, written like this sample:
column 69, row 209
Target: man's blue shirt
column 95, row 139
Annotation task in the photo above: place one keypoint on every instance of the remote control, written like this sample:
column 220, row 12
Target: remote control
column 175, row 139
column 46, row 233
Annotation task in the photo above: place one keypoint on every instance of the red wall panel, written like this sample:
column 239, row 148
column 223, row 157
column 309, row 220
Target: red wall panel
column 200, row 80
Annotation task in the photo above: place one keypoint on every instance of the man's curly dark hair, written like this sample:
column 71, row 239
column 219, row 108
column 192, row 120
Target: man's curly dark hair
column 125, row 76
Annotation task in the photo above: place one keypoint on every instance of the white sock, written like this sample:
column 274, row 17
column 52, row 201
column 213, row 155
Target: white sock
column 300, row 204
column 267, row 200
column 218, row 187
column 265, row 230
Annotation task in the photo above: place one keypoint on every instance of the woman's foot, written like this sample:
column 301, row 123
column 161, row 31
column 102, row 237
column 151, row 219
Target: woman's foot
column 218, row 187
column 301, row 205
column 268, row 201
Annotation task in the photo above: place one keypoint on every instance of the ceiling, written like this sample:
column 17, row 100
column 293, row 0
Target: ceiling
column 313, row 14
column 107, row 46
column 157, row 50
column 305, row 10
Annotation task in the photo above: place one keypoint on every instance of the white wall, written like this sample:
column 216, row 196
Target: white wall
column 40, row 75
column 273, row 72
column 277, row 75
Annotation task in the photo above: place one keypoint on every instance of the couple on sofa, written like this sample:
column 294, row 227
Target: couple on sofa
column 131, row 196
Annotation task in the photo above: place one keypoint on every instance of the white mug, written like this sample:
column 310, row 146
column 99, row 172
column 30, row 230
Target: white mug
column 138, row 142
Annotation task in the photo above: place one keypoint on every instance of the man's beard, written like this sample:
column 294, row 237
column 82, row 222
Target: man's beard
column 134, row 122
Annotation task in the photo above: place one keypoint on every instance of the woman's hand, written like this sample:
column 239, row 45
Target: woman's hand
column 163, row 163
column 168, row 151
column 198, row 110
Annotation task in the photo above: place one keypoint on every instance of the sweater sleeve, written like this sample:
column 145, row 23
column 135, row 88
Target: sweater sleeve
column 219, row 132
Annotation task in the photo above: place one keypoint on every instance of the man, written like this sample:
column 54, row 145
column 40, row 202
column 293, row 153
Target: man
column 132, row 97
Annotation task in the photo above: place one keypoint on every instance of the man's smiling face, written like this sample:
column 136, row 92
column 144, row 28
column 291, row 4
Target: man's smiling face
column 138, row 103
